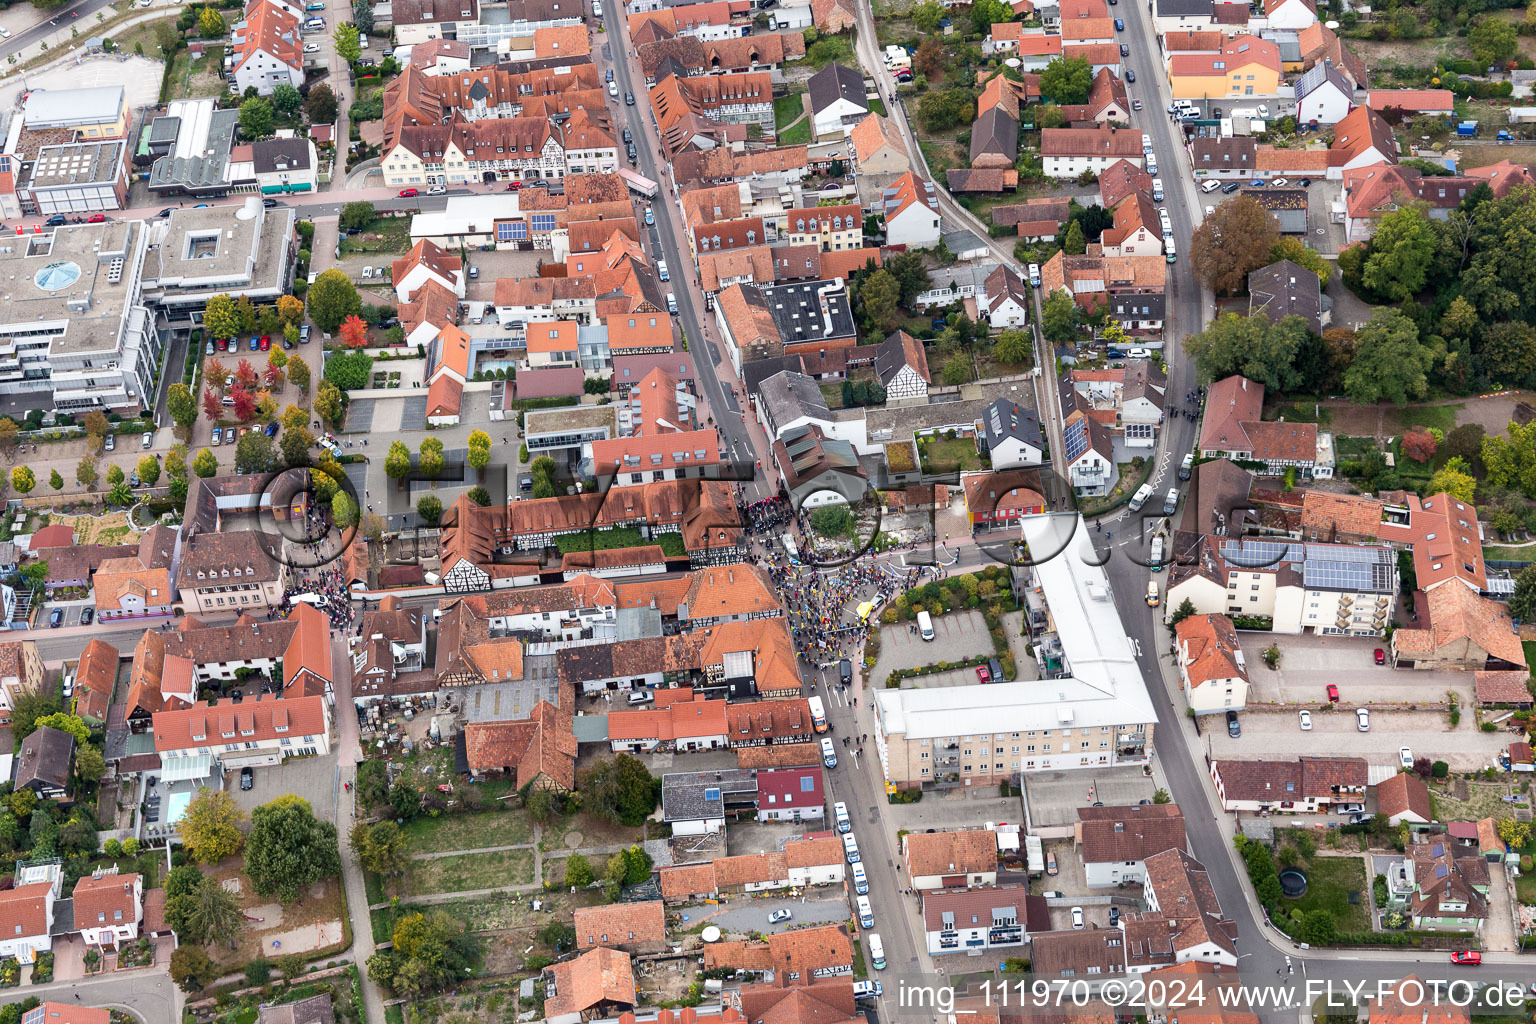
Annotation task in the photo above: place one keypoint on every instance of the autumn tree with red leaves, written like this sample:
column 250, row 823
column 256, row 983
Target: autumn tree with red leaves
column 354, row 332
column 1420, row 445
column 245, row 374
column 245, row 404
column 212, row 407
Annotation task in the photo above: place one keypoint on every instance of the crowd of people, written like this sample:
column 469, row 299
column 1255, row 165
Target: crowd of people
column 823, row 605
column 335, row 598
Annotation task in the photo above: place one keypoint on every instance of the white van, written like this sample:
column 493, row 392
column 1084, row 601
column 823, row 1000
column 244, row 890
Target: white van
column 828, row 755
column 1143, row 493
column 314, row 24
column 876, row 951
column 671, row 303
column 1187, row 466
column 866, row 912
column 840, row 812
column 1153, row 597
column 661, row 270
column 860, row 879
column 1171, row 501
column 1157, row 190
column 851, row 848
column 925, row 625
column 1157, row 553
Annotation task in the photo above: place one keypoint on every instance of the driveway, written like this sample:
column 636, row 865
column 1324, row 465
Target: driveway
column 954, row 808
column 752, row 915
column 1499, row 928
column 956, row 636
column 1309, row 663
column 313, row 778
column 1428, row 733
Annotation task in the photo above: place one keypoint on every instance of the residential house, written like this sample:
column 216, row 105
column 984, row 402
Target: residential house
column 1136, row 230
column 791, row 794
column 1503, row 176
column 598, row 983
column 1169, row 16
column 108, row 908
column 941, row 860
column 1128, row 400
column 1035, row 220
column 1211, row 664
column 427, row 262
column 631, row 927
column 911, row 210
column 1232, row 429
column 901, row 364
column 1361, row 139
column 1289, row 14
column 1224, row 157
column 138, row 585
column 1115, row 842
column 1441, row 885
column 1466, row 631
column 1120, row 179
column 981, row 919
column 226, row 572
column 817, row 859
column 419, row 21
column 1179, row 888
column 45, row 763
column 1005, row 299
column 538, row 751
column 195, row 742
column 26, row 916
column 1285, row 289
column 1012, row 435
column 389, row 653
column 1090, row 457
column 1308, row 785
column 994, row 139
column 837, row 98
column 95, row 679
column 999, row 499
column 879, row 147
column 266, row 49
column 1069, row 152
column 1323, row 94
column 1107, row 101
column 285, row 165
column 1404, row 797
column 1247, row 66
column 21, row 672
column 696, row 725
column 307, row 661
column 800, row 957
column 1372, row 192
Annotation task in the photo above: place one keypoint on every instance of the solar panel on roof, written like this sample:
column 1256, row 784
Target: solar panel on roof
column 1076, row 440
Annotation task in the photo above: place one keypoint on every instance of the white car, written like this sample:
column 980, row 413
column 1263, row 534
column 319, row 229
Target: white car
column 1209, row 185
column 311, row 47
column 5, row 33
column 367, row 273
column 1263, row 111
column 1281, row 182
column 1306, row 721
column 1034, row 275
column 1141, row 353
column 1077, row 918
column 436, row 190
column 1405, row 756
column 1363, row 719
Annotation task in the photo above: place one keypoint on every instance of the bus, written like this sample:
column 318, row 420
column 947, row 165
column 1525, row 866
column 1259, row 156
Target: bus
column 818, row 715
column 638, row 183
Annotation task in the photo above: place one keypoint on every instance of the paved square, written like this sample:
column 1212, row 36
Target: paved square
column 1054, row 797
column 956, row 636
column 313, row 778
column 1309, row 663
column 413, row 413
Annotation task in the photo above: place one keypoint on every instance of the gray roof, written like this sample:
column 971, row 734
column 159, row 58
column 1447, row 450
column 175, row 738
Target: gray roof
column 280, row 155
column 962, row 241
column 45, row 757
column 804, row 313
column 891, row 356
column 1139, row 305
column 835, row 82
column 995, row 133
column 754, row 373
column 1185, row 8
column 1285, row 289
column 1006, row 418
column 1314, row 79
column 787, row 396
column 208, row 171
column 46, row 107
column 688, row 796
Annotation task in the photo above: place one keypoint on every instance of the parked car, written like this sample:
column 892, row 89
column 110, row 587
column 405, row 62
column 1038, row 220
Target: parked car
column 208, row 351
column 1333, row 693
column 1230, row 187
column 255, row 344
column 1119, row 25
column 474, row 273
column 1405, row 756
column 1130, row 76
column 1234, row 727
column 1363, row 719
column 96, row 218
column 1469, row 957
column 1125, row 51
column 1077, row 919
column 409, row 193
column 983, row 674
column 247, row 778
column 1305, row 183
column 782, row 914
column 87, row 616
column 304, row 334
column 1050, row 863
column 629, row 99
column 436, row 190
column 1114, row 912
column 1306, row 721
column 229, row 435
column 148, row 440
column 111, row 442
column 1381, row 656
column 1280, row 182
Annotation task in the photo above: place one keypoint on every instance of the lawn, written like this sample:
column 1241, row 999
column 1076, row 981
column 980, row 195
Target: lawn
column 193, row 78
column 472, row 871
column 383, row 235
column 468, row 832
column 941, row 155
column 1330, row 880
column 1441, row 416
column 946, row 455
column 1499, row 553
column 619, row 537
column 799, row 135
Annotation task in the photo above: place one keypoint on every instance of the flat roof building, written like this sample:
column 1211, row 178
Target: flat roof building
column 196, row 253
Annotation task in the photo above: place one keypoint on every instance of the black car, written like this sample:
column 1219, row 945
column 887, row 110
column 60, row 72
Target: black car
column 269, row 202
column 1233, row 728
column 629, row 99
column 56, row 619
column 845, row 671
column 1125, row 51
column 1305, row 183
column 247, row 778
column 87, row 615
column 1130, row 76
column 54, row 221
column 1230, row 187
column 164, row 213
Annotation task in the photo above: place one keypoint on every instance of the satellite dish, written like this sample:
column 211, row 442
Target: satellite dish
column 710, row 934
column 1013, row 62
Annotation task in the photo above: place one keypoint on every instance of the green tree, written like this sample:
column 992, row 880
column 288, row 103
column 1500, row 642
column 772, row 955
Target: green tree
column 210, row 913
column 191, row 968
column 362, row 15
column 348, row 370
column 149, row 470
column 1058, row 317
column 1232, row 242
column 298, row 373
column 1390, row 361
column 1185, row 609
column 430, row 460
column 344, row 512
column 286, row 99
column 945, row 109
column 380, row 847
column 90, row 766
column 927, row 15
column 620, row 790
column 1522, row 603
column 1400, row 253
column 255, row 453
column 210, row 23
column 289, row 849
column 1014, row 347
column 329, row 403
column 357, row 214
column 332, row 298
column 431, row 951
column 1453, row 479
column 578, row 870
column 220, row 318
column 1460, row 319
column 256, row 118
column 1493, row 40
column 348, row 41
column 295, row 444
column 986, row 13
column 1509, row 353
column 210, row 826
column 956, row 369
column 23, row 479
column 85, row 471
column 64, row 722
column 1298, row 252
column 1066, row 80
column 479, row 444
column 430, row 509
column 320, row 105
column 397, row 461
column 880, row 293
column 1074, row 244
column 205, row 464
column 181, row 404
column 56, row 480
column 1261, row 350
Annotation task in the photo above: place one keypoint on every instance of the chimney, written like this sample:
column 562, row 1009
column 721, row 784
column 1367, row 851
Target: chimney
column 689, row 1015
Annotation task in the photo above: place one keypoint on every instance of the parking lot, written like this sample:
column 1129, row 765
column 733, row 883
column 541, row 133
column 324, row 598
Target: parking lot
column 960, row 808
column 1322, row 234
column 1278, row 734
column 1309, row 663
column 493, row 264
column 313, row 778
column 956, row 636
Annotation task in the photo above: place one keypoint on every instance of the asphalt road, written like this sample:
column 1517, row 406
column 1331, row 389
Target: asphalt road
column 148, row 994
column 754, row 918
column 75, row 14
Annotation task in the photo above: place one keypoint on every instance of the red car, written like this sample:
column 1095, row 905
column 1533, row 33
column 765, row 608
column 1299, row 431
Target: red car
column 1381, row 656
column 409, row 193
column 1470, row 957
column 266, row 343
column 223, row 344
column 96, row 218
column 1333, row 693
column 983, row 674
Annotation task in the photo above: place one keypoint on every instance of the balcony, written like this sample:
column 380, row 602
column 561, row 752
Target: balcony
column 1003, row 936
